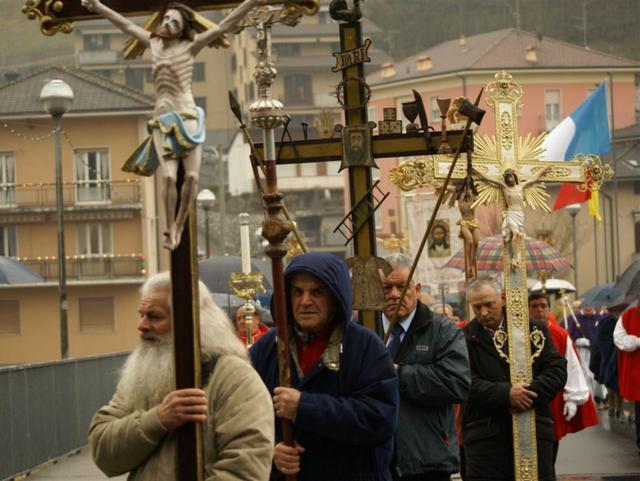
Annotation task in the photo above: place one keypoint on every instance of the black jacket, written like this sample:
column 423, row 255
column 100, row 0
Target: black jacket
column 486, row 421
column 434, row 375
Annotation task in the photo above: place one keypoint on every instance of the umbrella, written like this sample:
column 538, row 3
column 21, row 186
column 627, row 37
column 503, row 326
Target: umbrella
column 15, row 272
column 540, row 256
column 554, row 285
column 603, row 295
column 629, row 281
column 216, row 271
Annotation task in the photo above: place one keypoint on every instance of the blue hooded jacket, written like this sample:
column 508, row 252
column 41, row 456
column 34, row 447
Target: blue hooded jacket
column 347, row 414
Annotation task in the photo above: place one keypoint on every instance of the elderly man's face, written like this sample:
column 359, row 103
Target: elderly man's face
column 487, row 306
column 393, row 284
column 313, row 305
column 240, row 321
column 539, row 309
column 155, row 316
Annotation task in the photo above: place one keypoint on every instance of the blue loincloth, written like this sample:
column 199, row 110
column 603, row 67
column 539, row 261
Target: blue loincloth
column 178, row 142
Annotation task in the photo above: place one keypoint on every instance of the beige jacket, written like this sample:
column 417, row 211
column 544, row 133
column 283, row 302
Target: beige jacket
column 238, row 434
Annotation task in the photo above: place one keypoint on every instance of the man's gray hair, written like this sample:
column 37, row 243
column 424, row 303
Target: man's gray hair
column 399, row 260
column 480, row 282
column 217, row 336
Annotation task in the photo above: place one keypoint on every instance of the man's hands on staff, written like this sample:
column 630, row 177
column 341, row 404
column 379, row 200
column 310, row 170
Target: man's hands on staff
column 181, row 407
column 285, row 402
column 520, row 398
column 287, row 458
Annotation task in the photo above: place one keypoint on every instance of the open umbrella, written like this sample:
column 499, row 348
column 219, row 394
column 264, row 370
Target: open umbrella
column 540, row 256
column 216, row 271
column 15, row 272
column 603, row 295
column 554, row 285
column 629, row 281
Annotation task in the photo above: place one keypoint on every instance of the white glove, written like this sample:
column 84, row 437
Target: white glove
column 582, row 342
column 569, row 411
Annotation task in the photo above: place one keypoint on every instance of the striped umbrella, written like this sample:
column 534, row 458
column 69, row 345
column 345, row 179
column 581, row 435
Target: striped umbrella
column 540, row 256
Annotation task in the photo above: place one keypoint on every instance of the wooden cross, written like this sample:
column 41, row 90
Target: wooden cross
column 56, row 16
column 353, row 93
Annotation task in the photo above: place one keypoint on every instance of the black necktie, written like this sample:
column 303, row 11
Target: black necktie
column 394, row 345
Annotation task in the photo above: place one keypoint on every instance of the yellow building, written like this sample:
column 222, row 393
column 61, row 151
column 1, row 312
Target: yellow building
column 110, row 217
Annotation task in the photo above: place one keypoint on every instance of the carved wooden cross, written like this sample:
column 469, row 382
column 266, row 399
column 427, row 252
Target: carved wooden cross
column 353, row 93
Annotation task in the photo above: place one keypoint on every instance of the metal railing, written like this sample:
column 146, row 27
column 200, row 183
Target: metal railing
column 46, row 408
column 108, row 266
column 95, row 192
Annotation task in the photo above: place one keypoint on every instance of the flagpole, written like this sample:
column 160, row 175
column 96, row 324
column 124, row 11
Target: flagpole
column 616, row 243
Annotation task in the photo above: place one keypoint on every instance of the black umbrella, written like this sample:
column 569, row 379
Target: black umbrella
column 15, row 272
column 604, row 295
column 629, row 281
column 216, row 271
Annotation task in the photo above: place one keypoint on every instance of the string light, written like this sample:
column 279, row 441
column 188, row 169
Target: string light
column 30, row 138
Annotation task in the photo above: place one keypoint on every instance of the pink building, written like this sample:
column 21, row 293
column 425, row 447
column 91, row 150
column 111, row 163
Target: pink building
column 555, row 76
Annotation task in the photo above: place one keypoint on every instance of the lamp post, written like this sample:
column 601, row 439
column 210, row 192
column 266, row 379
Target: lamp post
column 206, row 199
column 573, row 210
column 56, row 98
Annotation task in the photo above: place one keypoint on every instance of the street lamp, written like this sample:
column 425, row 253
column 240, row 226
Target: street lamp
column 56, row 98
column 206, row 199
column 573, row 210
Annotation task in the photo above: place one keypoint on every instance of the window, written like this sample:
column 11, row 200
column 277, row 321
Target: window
column 134, row 78
column 435, row 110
column 7, row 179
column 96, row 42
column 288, row 170
column 234, row 63
column 286, row 49
column 309, row 170
column 8, row 244
column 201, row 102
column 148, row 74
column 297, row 90
column 198, row 72
column 637, row 236
column 93, row 176
column 103, row 72
column 9, row 317
column 94, row 239
column 551, row 108
column 324, row 18
column 96, row 314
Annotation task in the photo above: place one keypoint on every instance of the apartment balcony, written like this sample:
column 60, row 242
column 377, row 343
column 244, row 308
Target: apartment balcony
column 103, row 267
column 99, row 57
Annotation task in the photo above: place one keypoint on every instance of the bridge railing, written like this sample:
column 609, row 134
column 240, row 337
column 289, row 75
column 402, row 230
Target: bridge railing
column 46, row 408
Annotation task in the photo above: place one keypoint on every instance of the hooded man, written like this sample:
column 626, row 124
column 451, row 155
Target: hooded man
column 135, row 432
column 487, row 414
column 344, row 396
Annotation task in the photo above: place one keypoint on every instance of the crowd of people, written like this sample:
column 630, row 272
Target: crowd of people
column 435, row 400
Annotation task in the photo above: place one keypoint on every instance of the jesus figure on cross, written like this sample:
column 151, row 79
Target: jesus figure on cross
column 514, row 198
column 177, row 129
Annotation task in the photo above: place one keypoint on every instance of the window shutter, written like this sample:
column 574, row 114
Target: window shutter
column 9, row 317
column 96, row 314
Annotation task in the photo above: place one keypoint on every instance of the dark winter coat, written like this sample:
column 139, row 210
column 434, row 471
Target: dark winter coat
column 347, row 414
column 604, row 357
column 434, row 375
column 486, row 421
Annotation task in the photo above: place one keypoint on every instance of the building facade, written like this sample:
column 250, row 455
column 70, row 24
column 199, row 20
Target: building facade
column 110, row 219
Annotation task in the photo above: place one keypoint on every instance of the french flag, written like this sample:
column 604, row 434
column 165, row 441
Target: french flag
column 585, row 131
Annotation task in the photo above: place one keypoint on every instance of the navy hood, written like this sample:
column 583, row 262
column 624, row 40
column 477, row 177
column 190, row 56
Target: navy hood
column 333, row 273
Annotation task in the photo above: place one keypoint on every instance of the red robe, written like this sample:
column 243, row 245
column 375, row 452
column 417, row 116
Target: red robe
column 257, row 333
column 586, row 415
column 629, row 362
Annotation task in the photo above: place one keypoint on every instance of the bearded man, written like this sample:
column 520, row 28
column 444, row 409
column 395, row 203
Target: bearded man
column 135, row 432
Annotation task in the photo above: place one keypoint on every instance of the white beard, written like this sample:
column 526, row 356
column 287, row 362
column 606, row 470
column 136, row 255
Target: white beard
column 147, row 375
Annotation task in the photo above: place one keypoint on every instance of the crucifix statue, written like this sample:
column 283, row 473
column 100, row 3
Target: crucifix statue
column 177, row 130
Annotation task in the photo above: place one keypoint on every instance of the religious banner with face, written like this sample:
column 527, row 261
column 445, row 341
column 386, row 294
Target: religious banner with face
column 443, row 243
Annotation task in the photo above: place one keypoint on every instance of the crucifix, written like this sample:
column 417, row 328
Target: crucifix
column 356, row 146
column 172, row 54
column 509, row 168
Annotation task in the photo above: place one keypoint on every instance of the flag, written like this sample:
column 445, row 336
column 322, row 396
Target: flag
column 585, row 131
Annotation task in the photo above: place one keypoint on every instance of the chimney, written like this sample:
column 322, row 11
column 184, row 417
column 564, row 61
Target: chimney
column 388, row 70
column 424, row 63
column 532, row 54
